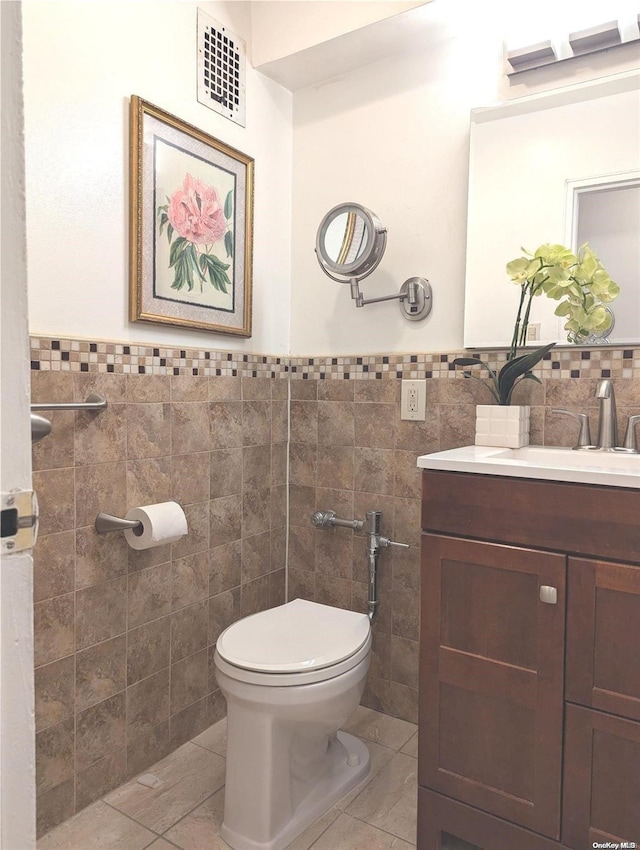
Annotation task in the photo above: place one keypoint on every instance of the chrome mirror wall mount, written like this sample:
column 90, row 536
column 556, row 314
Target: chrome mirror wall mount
column 350, row 243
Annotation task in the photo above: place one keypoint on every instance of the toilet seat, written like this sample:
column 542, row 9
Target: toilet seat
column 297, row 643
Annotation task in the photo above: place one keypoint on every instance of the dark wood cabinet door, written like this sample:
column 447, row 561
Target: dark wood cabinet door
column 445, row 824
column 491, row 686
column 601, row 780
column 603, row 637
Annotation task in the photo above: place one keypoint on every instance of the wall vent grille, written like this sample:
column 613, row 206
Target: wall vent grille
column 221, row 69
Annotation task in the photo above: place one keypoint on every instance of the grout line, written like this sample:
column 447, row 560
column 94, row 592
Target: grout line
column 386, row 831
column 287, row 495
column 315, row 841
column 129, row 817
column 190, row 812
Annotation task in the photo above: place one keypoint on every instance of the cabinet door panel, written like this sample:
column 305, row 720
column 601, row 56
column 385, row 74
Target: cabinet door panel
column 603, row 635
column 601, row 779
column 445, row 824
column 492, row 678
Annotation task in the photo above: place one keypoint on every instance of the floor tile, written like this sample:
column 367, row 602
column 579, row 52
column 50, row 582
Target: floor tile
column 214, row 738
column 389, row 801
column 161, row 844
column 380, row 728
column 200, row 828
column 190, row 775
column 411, row 747
column 99, row 827
column 350, row 834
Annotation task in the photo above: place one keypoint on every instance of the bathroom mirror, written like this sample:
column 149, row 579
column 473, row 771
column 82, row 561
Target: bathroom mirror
column 350, row 243
column 560, row 167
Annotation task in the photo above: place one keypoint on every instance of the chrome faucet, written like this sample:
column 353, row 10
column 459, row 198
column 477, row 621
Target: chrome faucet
column 608, row 423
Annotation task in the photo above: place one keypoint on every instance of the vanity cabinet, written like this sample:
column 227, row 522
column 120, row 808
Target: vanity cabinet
column 529, row 665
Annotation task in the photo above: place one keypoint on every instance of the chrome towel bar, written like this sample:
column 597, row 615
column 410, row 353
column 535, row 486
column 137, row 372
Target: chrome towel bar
column 93, row 402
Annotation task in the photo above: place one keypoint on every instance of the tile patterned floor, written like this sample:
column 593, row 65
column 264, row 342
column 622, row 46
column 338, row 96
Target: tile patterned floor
column 186, row 810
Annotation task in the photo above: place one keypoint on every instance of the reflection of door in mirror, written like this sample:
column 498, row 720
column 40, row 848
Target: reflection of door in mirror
column 345, row 238
column 524, row 155
column 609, row 218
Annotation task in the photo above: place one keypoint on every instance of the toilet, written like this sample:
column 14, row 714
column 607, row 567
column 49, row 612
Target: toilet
column 292, row 676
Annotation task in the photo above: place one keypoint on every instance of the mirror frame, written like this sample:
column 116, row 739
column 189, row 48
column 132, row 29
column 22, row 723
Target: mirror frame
column 373, row 251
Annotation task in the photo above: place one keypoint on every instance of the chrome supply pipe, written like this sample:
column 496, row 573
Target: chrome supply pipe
column 375, row 542
column 328, row 519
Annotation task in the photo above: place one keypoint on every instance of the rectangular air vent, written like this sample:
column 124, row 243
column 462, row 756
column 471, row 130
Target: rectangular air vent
column 221, row 69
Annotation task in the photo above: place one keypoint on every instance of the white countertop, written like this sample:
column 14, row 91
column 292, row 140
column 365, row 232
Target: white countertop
column 546, row 463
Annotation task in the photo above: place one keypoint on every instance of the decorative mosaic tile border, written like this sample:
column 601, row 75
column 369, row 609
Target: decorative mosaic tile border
column 60, row 355
column 84, row 356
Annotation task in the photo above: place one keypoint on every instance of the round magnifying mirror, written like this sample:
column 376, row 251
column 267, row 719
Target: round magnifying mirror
column 350, row 241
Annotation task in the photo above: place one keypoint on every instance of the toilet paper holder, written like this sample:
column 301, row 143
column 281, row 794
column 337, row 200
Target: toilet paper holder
column 106, row 522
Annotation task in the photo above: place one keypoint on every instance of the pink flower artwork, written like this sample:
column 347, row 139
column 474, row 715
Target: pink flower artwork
column 196, row 221
column 196, row 213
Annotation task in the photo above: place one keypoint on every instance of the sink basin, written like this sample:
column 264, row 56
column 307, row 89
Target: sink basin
column 610, row 469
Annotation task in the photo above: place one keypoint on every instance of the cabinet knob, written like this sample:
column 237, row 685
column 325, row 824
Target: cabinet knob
column 548, row 594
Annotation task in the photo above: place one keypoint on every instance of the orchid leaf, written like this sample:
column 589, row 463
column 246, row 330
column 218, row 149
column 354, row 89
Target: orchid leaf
column 517, row 368
column 484, row 384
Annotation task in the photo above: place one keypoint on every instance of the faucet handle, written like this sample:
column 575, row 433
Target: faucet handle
column 584, row 437
column 630, row 440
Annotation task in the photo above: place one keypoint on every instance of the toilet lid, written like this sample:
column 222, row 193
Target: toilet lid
column 294, row 637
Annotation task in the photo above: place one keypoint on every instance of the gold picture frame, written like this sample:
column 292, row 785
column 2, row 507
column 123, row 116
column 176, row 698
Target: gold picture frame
column 191, row 226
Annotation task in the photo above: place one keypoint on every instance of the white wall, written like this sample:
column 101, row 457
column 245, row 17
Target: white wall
column 394, row 136
column 82, row 61
column 283, row 27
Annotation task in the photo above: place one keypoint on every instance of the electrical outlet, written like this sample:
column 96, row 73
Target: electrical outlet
column 413, row 401
column 533, row 331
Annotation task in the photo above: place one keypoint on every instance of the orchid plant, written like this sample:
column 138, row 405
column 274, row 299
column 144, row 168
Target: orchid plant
column 582, row 286
column 579, row 282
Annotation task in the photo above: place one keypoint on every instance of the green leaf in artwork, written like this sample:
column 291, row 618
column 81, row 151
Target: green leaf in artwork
column 228, row 243
column 228, row 204
column 213, row 260
column 176, row 250
column 182, row 269
column 217, row 272
column 192, row 260
column 178, row 281
column 169, row 233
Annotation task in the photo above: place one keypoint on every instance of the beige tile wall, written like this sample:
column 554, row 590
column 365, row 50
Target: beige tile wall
column 123, row 639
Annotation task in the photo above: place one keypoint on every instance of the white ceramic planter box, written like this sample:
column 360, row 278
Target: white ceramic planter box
column 502, row 425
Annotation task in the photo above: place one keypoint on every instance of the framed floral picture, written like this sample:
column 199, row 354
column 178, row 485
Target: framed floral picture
column 191, row 221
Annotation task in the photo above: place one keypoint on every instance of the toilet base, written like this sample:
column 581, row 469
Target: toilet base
column 338, row 782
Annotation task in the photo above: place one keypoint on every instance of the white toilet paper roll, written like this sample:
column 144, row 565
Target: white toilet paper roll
column 161, row 523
